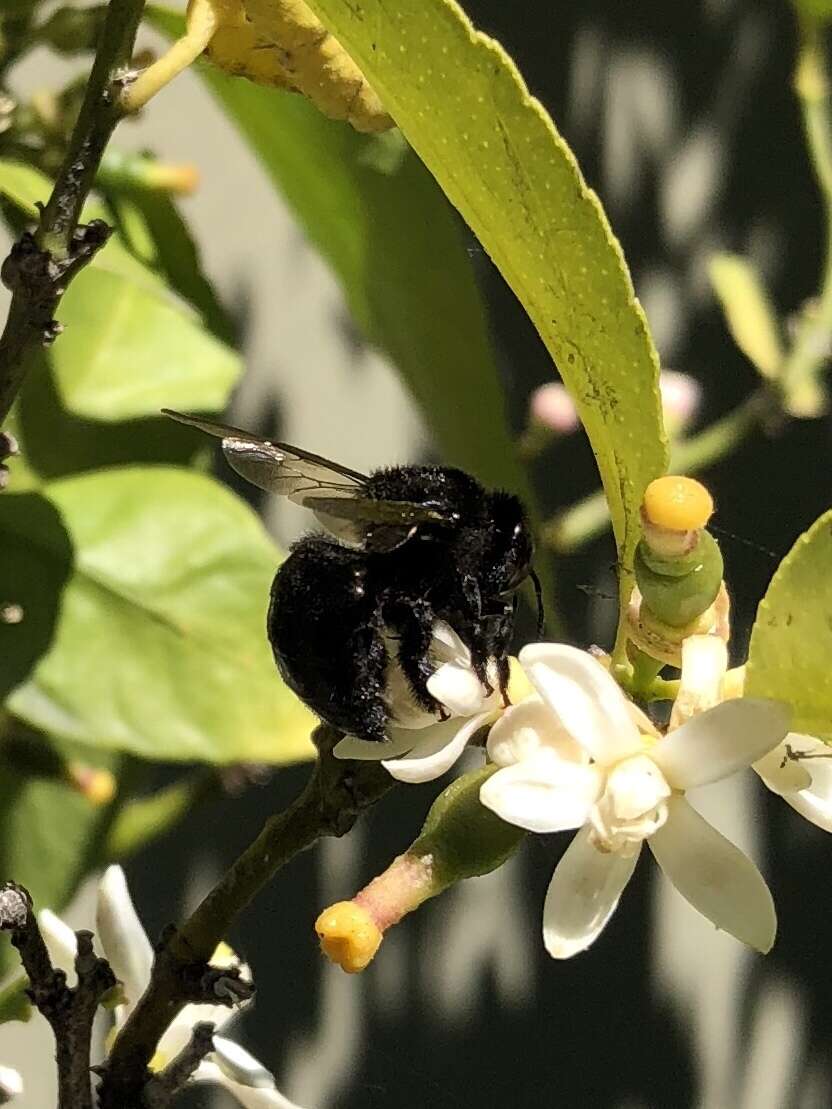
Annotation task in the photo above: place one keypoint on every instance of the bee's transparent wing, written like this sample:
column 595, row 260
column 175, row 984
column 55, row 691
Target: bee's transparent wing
column 334, row 493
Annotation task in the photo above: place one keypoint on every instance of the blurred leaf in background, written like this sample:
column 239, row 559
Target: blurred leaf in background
column 791, row 642
column 159, row 646
column 51, row 833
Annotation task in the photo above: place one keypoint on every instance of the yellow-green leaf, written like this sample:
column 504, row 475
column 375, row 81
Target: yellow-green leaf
column 748, row 311
column 156, row 642
column 129, row 347
column 791, row 643
column 463, row 106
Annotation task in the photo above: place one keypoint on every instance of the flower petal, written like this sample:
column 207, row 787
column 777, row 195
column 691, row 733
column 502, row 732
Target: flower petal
column 585, row 699
column 784, row 774
column 365, row 750
column 11, row 1084
column 704, row 663
column 446, row 646
column 528, row 727
column 60, row 943
column 250, row 1097
column 816, row 808
column 583, row 895
column 402, row 708
column 805, row 785
column 437, row 749
column 122, row 937
column 543, row 793
column 721, row 741
column 715, row 876
column 239, row 1065
column 457, row 688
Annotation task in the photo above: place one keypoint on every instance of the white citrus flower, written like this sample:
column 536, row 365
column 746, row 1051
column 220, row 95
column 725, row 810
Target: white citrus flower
column 11, row 1085
column 420, row 748
column 579, row 755
column 127, row 948
column 799, row 769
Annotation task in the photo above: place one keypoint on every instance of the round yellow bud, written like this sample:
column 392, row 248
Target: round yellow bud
column 349, row 936
column 677, row 503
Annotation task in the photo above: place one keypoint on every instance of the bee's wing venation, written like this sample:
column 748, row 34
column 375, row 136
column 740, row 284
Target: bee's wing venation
column 277, row 467
column 334, row 493
column 283, row 470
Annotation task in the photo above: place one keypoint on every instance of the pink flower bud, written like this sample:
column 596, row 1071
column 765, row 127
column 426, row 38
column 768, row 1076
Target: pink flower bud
column 552, row 406
column 680, row 399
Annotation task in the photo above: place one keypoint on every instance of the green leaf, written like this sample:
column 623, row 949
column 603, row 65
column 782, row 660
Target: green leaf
column 35, row 564
column 127, row 352
column 791, row 642
column 376, row 215
column 820, row 10
column 48, row 837
column 748, row 311
column 55, row 442
column 129, row 347
column 159, row 645
column 150, row 220
column 14, row 1005
column 463, row 106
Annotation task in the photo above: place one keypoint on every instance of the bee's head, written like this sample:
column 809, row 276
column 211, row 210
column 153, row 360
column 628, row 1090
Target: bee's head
column 512, row 550
column 512, row 546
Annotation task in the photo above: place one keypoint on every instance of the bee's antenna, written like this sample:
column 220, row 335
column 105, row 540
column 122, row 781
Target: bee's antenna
column 541, row 615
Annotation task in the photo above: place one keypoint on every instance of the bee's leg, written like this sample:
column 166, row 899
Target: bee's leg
column 413, row 623
column 498, row 630
column 364, row 708
column 503, row 673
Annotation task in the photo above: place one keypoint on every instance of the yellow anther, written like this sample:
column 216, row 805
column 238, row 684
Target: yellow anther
column 349, row 935
column 677, row 503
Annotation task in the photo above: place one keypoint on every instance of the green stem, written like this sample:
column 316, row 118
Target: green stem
column 40, row 266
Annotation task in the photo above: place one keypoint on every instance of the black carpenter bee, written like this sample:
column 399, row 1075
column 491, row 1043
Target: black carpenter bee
column 408, row 546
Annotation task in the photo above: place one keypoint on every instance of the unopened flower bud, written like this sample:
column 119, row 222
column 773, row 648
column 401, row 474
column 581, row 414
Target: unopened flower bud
column 138, row 171
column 680, row 399
column 460, row 839
column 678, row 568
column 98, row 785
column 552, row 406
column 183, row 180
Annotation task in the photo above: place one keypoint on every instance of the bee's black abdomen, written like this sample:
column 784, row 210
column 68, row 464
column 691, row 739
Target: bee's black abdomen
column 325, row 632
